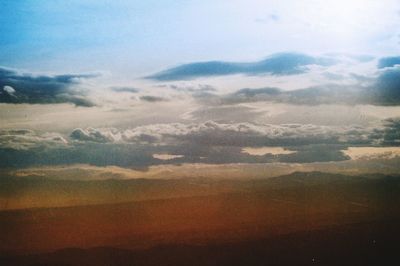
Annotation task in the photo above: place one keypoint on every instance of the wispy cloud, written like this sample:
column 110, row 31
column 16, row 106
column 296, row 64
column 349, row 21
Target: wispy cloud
column 277, row 64
column 125, row 89
column 379, row 88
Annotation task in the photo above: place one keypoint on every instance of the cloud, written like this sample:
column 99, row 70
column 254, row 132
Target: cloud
column 152, row 99
column 362, row 58
column 125, row 89
column 355, row 79
column 25, row 139
column 42, row 89
column 223, row 113
column 391, row 132
column 369, row 153
column 386, row 89
column 100, row 154
column 382, row 89
column 244, row 134
column 94, row 135
column 166, row 157
column 328, row 94
column 389, row 61
column 276, row 64
column 9, row 90
column 198, row 88
column 209, row 142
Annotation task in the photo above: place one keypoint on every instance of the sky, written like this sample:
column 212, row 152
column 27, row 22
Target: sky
column 137, row 37
column 150, row 85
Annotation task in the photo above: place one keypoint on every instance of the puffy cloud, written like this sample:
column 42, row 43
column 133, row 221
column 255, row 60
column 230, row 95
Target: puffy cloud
column 209, row 142
column 42, row 89
column 95, row 135
column 24, row 139
column 10, row 90
column 214, row 134
column 246, row 134
column 277, row 64
column 231, row 134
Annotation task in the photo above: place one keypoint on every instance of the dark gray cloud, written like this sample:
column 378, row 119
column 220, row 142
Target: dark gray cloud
column 125, row 89
column 277, row 64
column 389, row 61
column 140, row 156
column 99, row 154
column 386, row 89
column 27, row 88
column 391, row 132
column 152, row 99
column 91, row 134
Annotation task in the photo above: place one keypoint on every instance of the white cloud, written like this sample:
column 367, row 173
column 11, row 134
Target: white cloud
column 368, row 153
column 23, row 139
column 8, row 89
column 260, row 151
column 166, row 157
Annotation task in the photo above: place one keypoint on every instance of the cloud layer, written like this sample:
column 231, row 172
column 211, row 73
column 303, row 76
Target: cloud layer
column 277, row 64
column 187, row 122
column 25, row 139
column 17, row 87
column 246, row 134
column 382, row 89
column 209, row 142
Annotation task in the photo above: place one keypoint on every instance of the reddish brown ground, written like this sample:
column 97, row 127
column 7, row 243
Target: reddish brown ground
column 274, row 210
